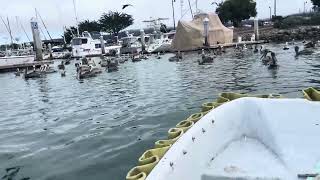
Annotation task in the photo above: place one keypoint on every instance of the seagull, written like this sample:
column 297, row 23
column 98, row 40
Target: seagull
column 125, row 6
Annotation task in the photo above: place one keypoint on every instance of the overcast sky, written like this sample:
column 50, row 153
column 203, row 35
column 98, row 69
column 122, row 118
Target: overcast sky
column 59, row 13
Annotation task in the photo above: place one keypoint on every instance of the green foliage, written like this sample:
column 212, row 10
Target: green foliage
column 69, row 33
column 236, row 10
column 114, row 22
column 316, row 2
column 298, row 20
column 89, row 26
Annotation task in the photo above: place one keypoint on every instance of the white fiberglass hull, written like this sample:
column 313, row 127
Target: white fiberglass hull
column 11, row 60
column 79, row 51
column 248, row 138
column 155, row 48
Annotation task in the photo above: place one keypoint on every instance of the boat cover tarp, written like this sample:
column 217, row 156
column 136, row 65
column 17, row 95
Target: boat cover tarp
column 248, row 138
column 190, row 35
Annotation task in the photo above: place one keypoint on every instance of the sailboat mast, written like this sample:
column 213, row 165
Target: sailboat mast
column 181, row 8
column 76, row 16
column 19, row 23
column 173, row 15
column 44, row 24
column 190, row 8
column 10, row 32
column 196, row 6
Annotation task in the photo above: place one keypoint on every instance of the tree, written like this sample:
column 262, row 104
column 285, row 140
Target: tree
column 89, row 26
column 114, row 22
column 69, row 33
column 236, row 10
column 316, row 2
column 86, row 25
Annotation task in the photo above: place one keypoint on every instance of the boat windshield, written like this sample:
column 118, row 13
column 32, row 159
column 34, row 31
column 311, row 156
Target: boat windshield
column 79, row 41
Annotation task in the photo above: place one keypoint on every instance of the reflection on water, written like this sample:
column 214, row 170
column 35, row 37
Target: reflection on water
column 58, row 128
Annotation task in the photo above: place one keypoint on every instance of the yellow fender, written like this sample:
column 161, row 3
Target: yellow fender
column 207, row 106
column 195, row 117
column 265, row 96
column 311, row 94
column 185, row 125
column 232, row 96
column 205, row 113
column 138, row 173
column 153, row 155
column 174, row 134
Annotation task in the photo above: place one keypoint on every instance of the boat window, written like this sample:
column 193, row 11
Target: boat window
column 76, row 42
column 57, row 49
column 84, row 41
column 97, row 45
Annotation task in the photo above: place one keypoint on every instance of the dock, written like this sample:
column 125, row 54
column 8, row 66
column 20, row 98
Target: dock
column 12, row 63
column 229, row 45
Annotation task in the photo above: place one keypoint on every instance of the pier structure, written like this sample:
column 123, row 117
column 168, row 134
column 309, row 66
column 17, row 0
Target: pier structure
column 36, row 39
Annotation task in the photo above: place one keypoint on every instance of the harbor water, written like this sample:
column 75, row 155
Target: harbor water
column 59, row 128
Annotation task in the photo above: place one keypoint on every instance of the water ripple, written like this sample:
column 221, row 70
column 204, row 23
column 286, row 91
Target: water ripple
column 60, row 128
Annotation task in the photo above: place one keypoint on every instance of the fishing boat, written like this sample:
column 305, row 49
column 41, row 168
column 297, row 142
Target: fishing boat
column 87, row 46
column 240, row 137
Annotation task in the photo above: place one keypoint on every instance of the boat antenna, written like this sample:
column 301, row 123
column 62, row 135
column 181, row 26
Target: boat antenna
column 190, row 9
column 44, row 24
column 173, row 15
column 76, row 16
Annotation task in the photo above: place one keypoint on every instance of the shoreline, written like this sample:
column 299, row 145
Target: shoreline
column 276, row 35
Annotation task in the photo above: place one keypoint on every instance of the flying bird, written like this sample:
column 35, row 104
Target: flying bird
column 125, row 6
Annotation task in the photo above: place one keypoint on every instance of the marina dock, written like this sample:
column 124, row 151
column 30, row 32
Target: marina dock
column 11, row 64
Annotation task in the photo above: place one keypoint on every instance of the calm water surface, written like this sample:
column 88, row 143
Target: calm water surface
column 59, row 128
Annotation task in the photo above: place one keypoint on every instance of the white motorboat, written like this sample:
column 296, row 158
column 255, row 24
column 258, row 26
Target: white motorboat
column 12, row 60
column 160, row 42
column 248, row 138
column 132, row 44
column 87, row 46
column 60, row 53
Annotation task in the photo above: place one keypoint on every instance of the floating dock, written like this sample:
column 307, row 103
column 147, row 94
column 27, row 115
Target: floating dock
column 21, row 62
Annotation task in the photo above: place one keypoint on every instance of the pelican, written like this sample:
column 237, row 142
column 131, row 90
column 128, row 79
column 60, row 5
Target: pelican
column 255, row 49
column 303, row 52
column 205, row 59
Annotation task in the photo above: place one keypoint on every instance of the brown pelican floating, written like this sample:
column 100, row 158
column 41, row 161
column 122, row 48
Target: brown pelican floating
column 205, row 59
column 176, row 58
column 303, row 52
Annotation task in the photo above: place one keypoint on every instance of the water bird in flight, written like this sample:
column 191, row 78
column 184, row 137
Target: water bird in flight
column 125, row 6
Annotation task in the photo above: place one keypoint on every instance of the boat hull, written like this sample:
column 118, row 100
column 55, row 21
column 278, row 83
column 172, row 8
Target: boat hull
column 248, row 138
